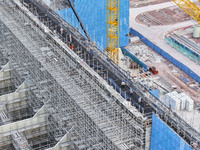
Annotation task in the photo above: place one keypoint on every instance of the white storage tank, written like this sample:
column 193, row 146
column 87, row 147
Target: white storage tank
column 196, row 31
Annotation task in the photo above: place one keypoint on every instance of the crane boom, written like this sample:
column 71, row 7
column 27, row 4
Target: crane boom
column 79, row 20
column 113, row 30
column 190, row 8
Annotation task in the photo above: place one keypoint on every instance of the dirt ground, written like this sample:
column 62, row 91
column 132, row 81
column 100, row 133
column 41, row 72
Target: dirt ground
column 166, row 71
column 166, row 16
column 142, row 3
column 172, row 74
column 190, row 36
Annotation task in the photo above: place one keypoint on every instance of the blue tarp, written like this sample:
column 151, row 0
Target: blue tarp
column 164, row 138
column 155, row 93
column 93, row 14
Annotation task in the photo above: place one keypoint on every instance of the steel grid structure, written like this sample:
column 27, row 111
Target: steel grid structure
column 21, row 65
column 74, row 103
column 174, row 121
column 52, row 58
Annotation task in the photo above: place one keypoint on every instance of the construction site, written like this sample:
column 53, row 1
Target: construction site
column 85, row 74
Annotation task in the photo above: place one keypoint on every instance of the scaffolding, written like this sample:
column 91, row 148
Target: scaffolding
column 64, row 91
column 70, row 103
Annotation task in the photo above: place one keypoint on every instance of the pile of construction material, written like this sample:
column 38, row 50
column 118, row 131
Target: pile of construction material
column 178, row 101
column 144, row 54
column 134, row 39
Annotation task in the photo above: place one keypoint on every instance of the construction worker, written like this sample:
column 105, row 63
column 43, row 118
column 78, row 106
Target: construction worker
column 61, row 31
column 170, row 108
column 123, row 84
column 54, row 31
column 37, row 15
column 139, row 100
column 194, row 145
column 91, row 53
column 70, row 38
column 131, row 91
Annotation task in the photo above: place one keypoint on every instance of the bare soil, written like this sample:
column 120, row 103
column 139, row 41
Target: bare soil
column 190, row 36
column 166, row 16
column 166, row 71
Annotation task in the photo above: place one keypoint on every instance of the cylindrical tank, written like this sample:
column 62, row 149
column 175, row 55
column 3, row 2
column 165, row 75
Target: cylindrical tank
column 196, row 31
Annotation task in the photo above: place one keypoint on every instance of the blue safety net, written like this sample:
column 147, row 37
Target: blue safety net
column 93, row 14
column 134, row 58
column 164, row 138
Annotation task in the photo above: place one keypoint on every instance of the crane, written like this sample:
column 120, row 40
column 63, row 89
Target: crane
column 113, row 30
column 79, row 19
column 190, row 8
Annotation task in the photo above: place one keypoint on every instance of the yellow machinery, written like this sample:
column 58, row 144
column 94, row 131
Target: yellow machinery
column 190, row 8
column 113, row 30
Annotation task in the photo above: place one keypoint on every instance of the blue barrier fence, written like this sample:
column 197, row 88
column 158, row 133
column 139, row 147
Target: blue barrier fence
column 166, row 55
column 134, row 58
